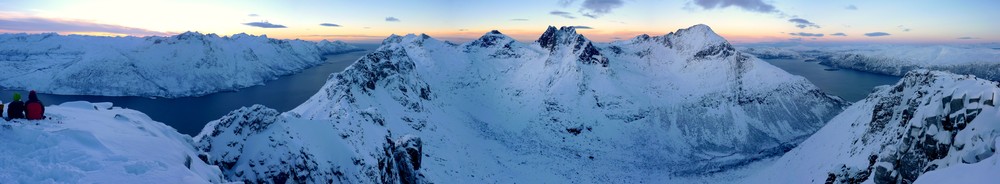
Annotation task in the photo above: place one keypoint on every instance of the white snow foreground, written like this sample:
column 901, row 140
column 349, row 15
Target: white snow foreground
column 979, row 60
column 84, row 142
column 559, row 110
column 935, row 123
column 188, row 64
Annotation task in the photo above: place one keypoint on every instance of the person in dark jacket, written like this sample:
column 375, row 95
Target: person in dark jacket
column 15, row 110
column 33, row 108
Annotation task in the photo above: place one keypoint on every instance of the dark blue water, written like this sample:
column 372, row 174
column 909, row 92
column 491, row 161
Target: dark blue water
column 852, row 85
column 190, row 114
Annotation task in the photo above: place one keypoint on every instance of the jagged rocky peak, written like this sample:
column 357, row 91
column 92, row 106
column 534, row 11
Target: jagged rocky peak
column 564, row 35
column 567, row 38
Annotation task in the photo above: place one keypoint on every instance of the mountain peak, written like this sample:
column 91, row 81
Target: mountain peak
column 564, row 35
column 699, row 33
column 491, row 38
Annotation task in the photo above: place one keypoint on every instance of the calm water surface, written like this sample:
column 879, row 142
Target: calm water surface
column 852, row 85
column 190, row 114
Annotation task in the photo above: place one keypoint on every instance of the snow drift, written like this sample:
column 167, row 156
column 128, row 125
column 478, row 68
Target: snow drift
column 84, row 142
column 187, row 64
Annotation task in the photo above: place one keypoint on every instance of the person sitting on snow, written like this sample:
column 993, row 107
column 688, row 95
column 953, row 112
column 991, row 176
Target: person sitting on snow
column 33, row 108
column 15, row 110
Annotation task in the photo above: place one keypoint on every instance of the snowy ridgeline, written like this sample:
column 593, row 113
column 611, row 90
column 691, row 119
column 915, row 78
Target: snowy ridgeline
column 188, row 64
column 83, row 142
column 935, row 124
column 980, row 60
column 561, row 109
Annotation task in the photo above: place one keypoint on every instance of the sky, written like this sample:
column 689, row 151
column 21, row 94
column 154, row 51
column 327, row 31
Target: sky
column 370, row 21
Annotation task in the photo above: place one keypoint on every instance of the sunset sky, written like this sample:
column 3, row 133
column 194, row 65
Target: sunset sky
column 740, row 21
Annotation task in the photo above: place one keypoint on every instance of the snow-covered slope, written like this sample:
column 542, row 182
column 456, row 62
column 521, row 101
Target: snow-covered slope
column 929, row 121
column 83, row 142
column 561, row 109
column 188, row 64
column 978, row 60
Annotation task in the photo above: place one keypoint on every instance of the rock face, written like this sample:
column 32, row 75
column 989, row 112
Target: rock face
column 259, row 145
column 557, row 110
column 187, row 64
column 928, row 121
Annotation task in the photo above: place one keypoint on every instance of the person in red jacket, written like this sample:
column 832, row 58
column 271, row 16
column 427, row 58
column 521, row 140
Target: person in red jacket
column 33, row 108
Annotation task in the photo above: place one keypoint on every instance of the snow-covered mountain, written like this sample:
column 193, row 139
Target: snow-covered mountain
column 188, row 64
column 978, row 60
column 561, row 109
column 84, row 142
column 929, row 121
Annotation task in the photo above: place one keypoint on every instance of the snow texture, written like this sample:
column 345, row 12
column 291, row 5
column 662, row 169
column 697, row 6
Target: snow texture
column 929, row 121
column 187, row 64
column 560, row 110
column 84, row 142
column 980, row 60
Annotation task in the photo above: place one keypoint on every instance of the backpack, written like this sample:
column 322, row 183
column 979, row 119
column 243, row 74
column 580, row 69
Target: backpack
column 34, row 111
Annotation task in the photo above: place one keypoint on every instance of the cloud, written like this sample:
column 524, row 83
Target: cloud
column 562, row 14
column 264, row 24
column 463, row 29
column 875, row 34
column 802, row 23
column 904, row 28
column 518, row 19
column 391, row 19
column 330, row 25
column 838, row 34
column 566, row 3
column 582, row 27
column 39, row 24
column 807, row 34
column 851, row 7
column 597, row 8
column 967, row 38
column 795, row 39
column 253, row 15
column 748, row 5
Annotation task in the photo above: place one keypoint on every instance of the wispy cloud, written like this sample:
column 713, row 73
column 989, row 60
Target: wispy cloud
column 562, row 14
column 330, row 25
column 851, row 7
column 391, row 19
column 807, row 34
column 748, row 5
column 597, row 8
column 876, row 34
column 566, row 3
column 904, row 28
column 518, row 19
column 264, row 24
column 838, row 34
column 582, row 27
column 967, row 38
column 803, row 23
column 463, row 29
column 253, row 15
column 40, row 24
